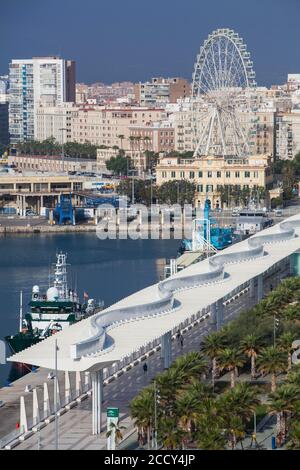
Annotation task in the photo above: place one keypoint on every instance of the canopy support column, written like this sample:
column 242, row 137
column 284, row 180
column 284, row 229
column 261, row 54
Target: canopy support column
column 97, row 399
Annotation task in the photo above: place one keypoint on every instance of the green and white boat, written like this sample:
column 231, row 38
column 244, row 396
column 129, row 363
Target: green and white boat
column 52, row 311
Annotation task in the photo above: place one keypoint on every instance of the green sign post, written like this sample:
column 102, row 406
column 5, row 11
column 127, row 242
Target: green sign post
column 112, row 412
column 112, row 415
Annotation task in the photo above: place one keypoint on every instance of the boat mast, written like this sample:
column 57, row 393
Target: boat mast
column 21, row 311
column 60, row 280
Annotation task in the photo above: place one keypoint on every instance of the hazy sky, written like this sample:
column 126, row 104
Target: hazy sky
column 116, row 40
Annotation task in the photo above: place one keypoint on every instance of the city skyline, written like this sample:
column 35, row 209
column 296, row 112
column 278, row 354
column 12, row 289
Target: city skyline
column 106, row 51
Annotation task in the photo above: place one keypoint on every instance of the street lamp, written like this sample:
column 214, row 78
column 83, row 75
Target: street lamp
column 55, row 396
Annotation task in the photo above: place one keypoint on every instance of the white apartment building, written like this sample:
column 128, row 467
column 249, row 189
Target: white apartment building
column 287, row 134
column 181, row 119
column 54, row 121
column 48, row 80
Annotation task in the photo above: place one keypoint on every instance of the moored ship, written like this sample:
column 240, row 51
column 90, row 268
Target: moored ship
column 50, row 312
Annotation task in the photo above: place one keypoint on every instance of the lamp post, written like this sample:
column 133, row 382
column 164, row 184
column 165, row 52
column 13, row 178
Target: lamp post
column 55, row 397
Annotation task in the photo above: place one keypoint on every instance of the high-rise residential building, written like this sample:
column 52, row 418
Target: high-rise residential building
column 4, row 84
column 287, row 134
column 36, row 81
column 161, row 90
column 4, row 136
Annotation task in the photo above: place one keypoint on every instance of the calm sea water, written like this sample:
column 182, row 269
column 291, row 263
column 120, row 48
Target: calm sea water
column 105, row 269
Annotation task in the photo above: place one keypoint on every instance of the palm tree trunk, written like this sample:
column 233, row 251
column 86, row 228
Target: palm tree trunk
column 232, row 378
column 213, row 372
column 148, row 437
column 253, row 367
column 283, row 424
column 278, row 423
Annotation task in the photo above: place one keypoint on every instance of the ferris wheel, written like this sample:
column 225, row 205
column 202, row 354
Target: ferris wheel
column 222, row 95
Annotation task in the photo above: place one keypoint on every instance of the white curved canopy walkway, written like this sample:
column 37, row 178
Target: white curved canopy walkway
column 118, row 331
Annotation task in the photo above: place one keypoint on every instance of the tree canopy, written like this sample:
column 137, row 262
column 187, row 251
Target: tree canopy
column 119, row 164
column 51, row 147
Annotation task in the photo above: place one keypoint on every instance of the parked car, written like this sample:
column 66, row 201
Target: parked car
column 30, row 213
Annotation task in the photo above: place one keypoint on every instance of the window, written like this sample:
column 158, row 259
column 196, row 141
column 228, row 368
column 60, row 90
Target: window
column 237, row 174
column 200, row 188
column 247, row 174
column 173, row 174
column 192, row 175
column 255, row 174
column 164, row 174
column 181, row 174
column 209, row 188
column 200, row 174
column 227, row 174
column 218, row 174
column 209, row 174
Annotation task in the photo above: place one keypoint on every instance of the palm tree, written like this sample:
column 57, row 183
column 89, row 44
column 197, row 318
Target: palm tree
column 191, row 365
column 241, row 400
column 250, row 345
column 121, row 137
column 230, row 359
column 212, row 346
column 236, row 408
column 169, row 383
column 235, row 429
column 187, row 412
column 170, row 434
column 210, row 435
column 283, row 402
column 293, row 377
column 115, row 148
column 271, row 360
column 116, row 430
column 285, row 344
column 142, row 411
column 294, row 436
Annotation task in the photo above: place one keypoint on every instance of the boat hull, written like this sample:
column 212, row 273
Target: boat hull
column 21, row 341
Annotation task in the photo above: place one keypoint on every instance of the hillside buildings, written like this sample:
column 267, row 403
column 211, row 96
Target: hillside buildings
column 161, row 91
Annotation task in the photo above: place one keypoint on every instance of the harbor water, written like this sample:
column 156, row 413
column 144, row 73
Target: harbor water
column 106, row 270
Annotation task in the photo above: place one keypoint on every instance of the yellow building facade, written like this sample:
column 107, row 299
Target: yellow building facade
column 209, row 173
